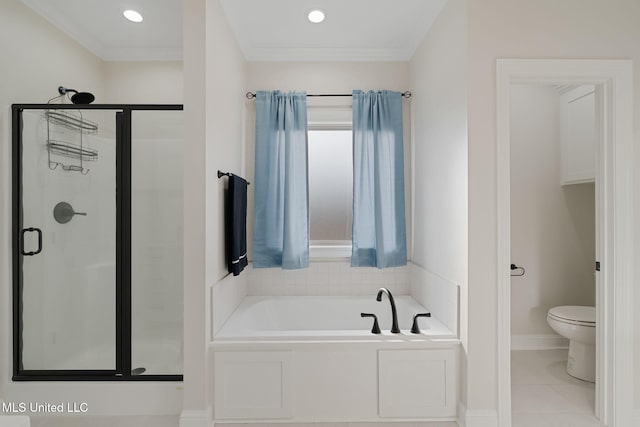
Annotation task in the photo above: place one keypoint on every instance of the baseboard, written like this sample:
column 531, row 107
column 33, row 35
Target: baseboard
column 196, row 418
column 538, row 342
column 476, row 418
column 15, row 421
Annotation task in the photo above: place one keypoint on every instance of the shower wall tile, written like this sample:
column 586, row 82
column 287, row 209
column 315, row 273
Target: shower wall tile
column 327, row 278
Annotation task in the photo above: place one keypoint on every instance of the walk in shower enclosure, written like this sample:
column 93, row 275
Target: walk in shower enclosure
column 97, row 242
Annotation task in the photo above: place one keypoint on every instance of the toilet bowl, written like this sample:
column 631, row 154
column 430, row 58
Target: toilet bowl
column 578, row 324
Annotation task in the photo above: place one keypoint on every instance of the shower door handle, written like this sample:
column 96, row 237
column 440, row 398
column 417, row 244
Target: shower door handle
column 30, row 230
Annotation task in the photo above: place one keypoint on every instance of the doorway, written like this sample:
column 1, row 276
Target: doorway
column 553, row 140
column 614, row 204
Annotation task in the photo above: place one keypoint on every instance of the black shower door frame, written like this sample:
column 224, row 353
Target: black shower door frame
column 122, row 371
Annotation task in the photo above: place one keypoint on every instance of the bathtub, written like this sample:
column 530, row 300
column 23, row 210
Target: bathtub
column 305, row 359
column 317, row 317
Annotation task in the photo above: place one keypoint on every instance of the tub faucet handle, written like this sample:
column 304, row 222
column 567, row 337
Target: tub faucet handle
column 376, row 328
column 415, row 329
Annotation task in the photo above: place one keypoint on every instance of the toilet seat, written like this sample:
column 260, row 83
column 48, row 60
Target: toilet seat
column 574, row 315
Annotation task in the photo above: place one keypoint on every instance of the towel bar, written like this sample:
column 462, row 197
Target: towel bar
column 221, row 174
column 515, row 267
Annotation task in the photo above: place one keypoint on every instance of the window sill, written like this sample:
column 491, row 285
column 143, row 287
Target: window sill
column 329, row 250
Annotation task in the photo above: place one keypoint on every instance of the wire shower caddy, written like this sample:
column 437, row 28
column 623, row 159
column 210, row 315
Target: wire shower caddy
column 59, row 147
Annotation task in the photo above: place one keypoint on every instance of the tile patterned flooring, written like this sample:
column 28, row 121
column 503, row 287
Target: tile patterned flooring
column 353, row 424
column 97, row 421
column 172, row 421
column 544, row 395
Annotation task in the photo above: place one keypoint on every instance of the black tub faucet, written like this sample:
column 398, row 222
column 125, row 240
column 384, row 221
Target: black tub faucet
column 376, row 328
column 394, row 327
column 415, row 329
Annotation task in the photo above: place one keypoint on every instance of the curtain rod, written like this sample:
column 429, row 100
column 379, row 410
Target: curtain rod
column 406, row 94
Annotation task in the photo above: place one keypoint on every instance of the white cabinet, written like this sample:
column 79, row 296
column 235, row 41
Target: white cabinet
column 578, row 135
column 252, row 385
column 336, row 382
column 417, row 383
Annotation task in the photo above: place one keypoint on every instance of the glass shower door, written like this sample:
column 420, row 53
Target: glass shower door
column 67, row 243
column 156, row 242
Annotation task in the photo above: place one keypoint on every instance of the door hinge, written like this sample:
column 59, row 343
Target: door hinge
column 597, row 265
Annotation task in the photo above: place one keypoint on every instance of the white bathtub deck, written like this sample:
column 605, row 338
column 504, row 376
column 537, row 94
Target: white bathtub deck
column 327, row 318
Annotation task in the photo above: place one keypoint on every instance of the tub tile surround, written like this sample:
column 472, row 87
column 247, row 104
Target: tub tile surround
column 327, row 278
column 439, row 295
column 226, row 296
column 337, row 278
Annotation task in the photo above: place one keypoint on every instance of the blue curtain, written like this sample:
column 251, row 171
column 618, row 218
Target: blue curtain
column 281, row 234
column 379, row 235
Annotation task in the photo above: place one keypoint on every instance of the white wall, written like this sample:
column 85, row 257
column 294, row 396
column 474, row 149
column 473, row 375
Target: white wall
column 326, row 77
column 37, row 58
column 524, row 29
column 226, row 86
column 438, row 75
column 552, row 226
column 214, row 85
column 146, row 82
column 194, row 179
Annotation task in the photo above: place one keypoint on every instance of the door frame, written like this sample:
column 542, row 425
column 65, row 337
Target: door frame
column 615, row 210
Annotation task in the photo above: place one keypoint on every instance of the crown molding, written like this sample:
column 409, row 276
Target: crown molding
column 141, row 54
column 311, row 54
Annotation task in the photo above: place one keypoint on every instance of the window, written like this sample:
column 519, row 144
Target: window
column 330, row 178
column 330, row 186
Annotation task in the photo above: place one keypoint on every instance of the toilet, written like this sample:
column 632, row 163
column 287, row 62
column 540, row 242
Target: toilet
column 578, row 324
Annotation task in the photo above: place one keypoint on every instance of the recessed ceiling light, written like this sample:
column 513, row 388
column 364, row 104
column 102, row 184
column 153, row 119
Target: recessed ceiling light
column 132, row 15
column 316, row 16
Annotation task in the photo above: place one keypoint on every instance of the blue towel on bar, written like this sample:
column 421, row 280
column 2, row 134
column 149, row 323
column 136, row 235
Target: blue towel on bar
column 236, row 224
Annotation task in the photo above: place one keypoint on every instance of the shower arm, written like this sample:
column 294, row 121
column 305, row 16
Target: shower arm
column 63, row 90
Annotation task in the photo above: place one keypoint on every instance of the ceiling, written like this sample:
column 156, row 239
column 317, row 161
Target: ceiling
column 266, row 30
column 354, row 30
column 99, row 26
